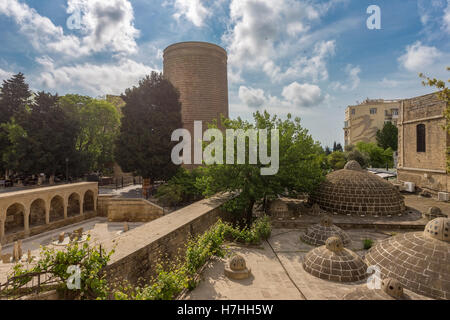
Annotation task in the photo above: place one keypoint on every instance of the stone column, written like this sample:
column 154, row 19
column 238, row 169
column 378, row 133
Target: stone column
column 65, row 208
column 26, row 222
column 47, row 212
column 81, row 205
column 2, row 231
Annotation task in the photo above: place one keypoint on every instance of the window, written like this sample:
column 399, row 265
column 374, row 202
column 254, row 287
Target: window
column 395, row 112
column 421, row 138
column 353, row 111
column 373, row 111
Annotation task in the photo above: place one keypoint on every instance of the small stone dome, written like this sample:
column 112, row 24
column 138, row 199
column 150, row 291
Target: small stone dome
column 237, row 263
column 392, row 287
column 433, row 213
column 334, row 244
column 279, row 209
column 326, row 221
column 353, row 165
column 358, row 192
column 334, row 262
column 438, row 229
column 420, row 261
column 237, row 268
column 317, row 234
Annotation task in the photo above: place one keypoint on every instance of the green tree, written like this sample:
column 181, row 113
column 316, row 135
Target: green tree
column 14, row 97
column 388, row 136
column 299, row 166
column 337, row 160
column 378, row 157
column 362, row 158
column 51, row 137
column 98, row 123
column 152, row 112
column 337, row 147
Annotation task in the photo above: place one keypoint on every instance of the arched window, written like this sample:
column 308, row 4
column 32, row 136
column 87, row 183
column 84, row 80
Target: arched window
column 421, row 138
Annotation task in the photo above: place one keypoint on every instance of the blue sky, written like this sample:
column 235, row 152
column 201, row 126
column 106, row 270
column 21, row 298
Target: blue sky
column 310, row 58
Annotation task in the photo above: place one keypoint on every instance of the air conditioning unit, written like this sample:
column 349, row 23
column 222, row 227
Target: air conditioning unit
column 443, row 196
column 410, row 187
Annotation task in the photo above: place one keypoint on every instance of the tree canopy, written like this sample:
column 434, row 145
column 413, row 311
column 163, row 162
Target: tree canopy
column 151, row 113
column 387, row 137
column 300, row 159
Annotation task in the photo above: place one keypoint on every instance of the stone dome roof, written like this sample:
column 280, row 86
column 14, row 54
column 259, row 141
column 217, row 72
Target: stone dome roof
column 358, row 192
column 317, row 234
column 237, row 263
column 420, row 261
column 391, row 289
column 334, row 262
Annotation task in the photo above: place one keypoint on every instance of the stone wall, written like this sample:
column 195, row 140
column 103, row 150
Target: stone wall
column 426, row 169
column 137, row 251
column 132, row 210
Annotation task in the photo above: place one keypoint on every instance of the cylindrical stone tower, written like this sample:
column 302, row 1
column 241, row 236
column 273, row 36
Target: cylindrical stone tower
column 199, row 71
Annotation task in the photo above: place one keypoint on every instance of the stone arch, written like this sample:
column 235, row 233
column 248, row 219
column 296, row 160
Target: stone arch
column 37, row 213
column 56, row 208
column 88, row 201
column 73, row 205
column 15, row 218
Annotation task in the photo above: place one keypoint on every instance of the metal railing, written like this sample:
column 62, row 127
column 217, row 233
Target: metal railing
column 27, row 284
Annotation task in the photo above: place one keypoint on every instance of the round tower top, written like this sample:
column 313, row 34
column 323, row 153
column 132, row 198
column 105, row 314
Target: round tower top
column 195, row 45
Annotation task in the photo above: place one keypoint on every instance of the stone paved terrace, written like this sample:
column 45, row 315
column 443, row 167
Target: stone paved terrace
column 277, row 272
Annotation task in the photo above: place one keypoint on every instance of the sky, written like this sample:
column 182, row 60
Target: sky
column 310, row 58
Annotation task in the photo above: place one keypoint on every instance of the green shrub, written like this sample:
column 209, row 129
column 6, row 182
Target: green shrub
column 90, row 259
column 181, row 189
column 171, row 282
column 367, row 243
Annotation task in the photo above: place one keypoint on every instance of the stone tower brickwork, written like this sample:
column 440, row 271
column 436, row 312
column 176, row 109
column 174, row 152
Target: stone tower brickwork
column 199, row 71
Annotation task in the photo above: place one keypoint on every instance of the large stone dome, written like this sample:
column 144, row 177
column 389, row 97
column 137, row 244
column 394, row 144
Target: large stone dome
column 420, row 261
column 358, row 192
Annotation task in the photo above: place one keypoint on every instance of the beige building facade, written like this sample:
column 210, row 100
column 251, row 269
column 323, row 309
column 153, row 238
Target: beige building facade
column 362, row 121
column 423, row 143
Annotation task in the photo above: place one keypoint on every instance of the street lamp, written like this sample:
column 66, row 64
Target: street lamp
column 67, row 170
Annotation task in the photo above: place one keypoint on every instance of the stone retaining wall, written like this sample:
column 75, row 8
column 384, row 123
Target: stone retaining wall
column 137, row 251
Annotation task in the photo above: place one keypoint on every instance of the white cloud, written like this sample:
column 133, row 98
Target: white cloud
column 418, row 57
column 353, row 79
column 260, row 33
column 294, row 96
column 389, row 83
column 5, row 74
column 253, row 98
column 446, row 18
column 105, row 25
column 92, row 79
column 303, row 95
column 192, row 10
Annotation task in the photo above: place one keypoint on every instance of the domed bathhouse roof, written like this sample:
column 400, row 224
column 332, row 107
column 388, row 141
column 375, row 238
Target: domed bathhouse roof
column 420, row 261
column 317, row 234
column 334, row 262
column 391, row 289
column 355, row 191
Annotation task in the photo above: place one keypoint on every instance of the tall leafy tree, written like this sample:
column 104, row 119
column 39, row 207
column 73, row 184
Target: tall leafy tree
column 152, row 112
column 300, row 169
column 51, row 137
column 98, row 122
column 387, row 137
column 14, row 97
